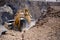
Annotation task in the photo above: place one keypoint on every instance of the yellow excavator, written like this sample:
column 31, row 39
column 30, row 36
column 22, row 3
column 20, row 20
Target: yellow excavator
column 22, row 20
column 21, row 15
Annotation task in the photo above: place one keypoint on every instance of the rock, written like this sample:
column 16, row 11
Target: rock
column 3, row 30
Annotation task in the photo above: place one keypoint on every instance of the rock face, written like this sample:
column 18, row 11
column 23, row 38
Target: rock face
column 35, row 5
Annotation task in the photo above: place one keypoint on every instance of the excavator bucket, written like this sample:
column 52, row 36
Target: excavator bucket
column 28, row 26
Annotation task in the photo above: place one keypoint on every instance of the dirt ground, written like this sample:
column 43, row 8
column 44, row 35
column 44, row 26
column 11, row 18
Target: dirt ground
column 46, row 29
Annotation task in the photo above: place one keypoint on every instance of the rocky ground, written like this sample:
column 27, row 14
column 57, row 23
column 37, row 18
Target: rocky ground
column 46, row 29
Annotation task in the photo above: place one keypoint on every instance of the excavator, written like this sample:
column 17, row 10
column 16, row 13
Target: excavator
column 22, row 20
